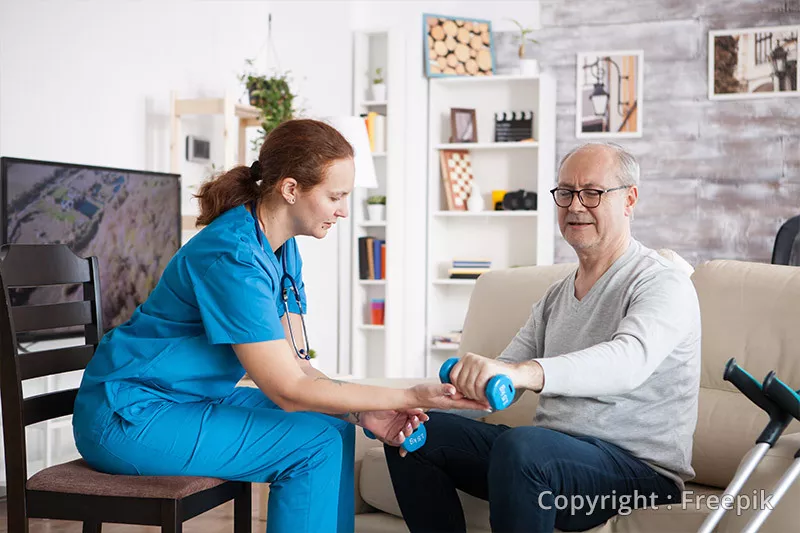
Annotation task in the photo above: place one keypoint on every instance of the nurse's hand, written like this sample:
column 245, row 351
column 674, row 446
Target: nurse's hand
column 392, row 427
column 445, row 396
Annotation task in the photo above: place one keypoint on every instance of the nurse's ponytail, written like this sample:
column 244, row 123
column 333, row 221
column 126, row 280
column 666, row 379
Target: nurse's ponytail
column 302, row 149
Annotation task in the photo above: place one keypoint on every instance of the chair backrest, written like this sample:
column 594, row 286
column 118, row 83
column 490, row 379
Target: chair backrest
column 27, row 266
column 784, row 240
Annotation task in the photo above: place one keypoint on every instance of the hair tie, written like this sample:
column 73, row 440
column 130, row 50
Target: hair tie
column 255, row 170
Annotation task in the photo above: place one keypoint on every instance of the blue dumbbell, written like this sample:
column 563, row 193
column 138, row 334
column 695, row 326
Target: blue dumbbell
column 499, row 390
column 413, row 442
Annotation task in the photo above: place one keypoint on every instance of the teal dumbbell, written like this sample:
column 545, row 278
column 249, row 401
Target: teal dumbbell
column 413, row 442
column 499, row 390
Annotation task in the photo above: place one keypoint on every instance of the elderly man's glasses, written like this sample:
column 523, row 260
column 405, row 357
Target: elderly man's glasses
column 588, row 197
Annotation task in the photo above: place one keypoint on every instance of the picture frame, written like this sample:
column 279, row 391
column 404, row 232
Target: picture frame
column 463, row 125
column 609, row 94
column 457, row 46
column 746, row 63
column 457, row 178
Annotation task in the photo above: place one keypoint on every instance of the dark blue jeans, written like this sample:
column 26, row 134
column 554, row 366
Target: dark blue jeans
column 535, row 479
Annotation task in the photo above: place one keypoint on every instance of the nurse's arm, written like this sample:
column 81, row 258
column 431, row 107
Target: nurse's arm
column 272, row 366
column 297, row 326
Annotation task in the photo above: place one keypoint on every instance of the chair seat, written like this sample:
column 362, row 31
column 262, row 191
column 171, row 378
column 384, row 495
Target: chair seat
column 77, row 477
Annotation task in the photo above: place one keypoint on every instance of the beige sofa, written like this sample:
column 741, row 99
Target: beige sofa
column 749, row 311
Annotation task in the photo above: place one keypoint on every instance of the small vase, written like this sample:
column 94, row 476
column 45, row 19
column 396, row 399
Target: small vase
column 475, row 201
column 376, row 212
column 379, row 92
column 529, row 67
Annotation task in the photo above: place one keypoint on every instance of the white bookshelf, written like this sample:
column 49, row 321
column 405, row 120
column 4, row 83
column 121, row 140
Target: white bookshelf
column 506, row 238
column 375, row 349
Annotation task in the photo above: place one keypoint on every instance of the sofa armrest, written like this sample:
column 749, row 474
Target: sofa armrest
column 364, row 444
column 786, row 514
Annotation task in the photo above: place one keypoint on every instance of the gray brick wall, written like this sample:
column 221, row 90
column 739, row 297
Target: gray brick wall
column 718, row 177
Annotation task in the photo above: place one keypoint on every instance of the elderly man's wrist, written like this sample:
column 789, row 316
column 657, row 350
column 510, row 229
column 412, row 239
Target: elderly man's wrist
column 530, row 376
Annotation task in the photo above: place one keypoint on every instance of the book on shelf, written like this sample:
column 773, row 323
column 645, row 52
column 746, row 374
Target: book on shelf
column 468, row 268
column 371, row 258
column 451, row 339
column 466, row 273
column 376, row 131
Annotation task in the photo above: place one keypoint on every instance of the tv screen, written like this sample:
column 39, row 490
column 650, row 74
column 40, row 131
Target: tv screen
column 128, row 219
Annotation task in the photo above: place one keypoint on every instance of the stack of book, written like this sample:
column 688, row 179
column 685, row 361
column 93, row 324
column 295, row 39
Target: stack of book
column 371, row 258
column 468, row 268
column 448, row 340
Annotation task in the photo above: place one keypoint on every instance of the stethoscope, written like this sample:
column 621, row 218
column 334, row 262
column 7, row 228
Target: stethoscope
column 302, row 353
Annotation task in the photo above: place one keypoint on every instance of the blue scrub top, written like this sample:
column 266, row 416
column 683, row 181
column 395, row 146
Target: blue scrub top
column 221, row 288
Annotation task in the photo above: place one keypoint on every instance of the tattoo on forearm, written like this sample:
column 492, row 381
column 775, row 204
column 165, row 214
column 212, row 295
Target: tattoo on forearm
column 346, row 416
column 336, row 381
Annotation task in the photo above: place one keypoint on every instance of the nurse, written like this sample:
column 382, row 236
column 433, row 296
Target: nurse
column 159, row 397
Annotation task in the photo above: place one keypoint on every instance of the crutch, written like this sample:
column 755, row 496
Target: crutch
column 778, row 420
column 789, row 401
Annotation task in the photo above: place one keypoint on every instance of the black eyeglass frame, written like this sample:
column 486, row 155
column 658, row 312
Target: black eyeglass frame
column 579, row 192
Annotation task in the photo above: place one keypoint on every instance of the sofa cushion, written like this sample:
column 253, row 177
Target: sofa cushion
column 376, row 489
column 749, row 312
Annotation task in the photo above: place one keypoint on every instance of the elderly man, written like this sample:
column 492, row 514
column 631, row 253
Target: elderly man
column 614, row 352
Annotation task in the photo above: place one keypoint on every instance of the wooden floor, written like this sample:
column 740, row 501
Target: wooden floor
column 216, row 520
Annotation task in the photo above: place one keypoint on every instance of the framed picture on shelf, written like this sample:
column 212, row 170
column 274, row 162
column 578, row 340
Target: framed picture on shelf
column 463, row 127
column 457, row 46
column 457, row 178
column 609, row 94
column 753, row 63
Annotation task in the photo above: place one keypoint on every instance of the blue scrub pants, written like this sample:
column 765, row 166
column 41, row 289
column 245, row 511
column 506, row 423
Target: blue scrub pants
column 306, row 457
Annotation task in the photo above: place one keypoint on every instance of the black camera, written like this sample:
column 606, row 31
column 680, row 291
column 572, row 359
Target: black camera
column 520, row 200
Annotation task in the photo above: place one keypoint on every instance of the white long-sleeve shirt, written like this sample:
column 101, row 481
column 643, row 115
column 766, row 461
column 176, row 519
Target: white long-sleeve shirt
column 623, row 363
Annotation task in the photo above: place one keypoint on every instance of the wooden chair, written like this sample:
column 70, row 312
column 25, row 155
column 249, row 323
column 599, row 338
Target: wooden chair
column 74, row 491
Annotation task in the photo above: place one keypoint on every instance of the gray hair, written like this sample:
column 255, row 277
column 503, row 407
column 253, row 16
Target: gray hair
column 627, row 166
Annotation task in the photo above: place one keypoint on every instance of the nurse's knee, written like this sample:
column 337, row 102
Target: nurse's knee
column 328, row 446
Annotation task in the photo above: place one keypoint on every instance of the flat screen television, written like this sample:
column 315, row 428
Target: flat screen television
column 128, row 219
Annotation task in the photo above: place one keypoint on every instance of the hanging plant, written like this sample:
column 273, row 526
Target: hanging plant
column 273, row 96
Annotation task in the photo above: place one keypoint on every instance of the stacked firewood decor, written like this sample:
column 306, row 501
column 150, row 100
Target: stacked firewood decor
column 459, row 47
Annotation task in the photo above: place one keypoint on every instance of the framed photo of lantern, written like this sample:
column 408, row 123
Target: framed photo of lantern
column 609, row 94
column 753, row 63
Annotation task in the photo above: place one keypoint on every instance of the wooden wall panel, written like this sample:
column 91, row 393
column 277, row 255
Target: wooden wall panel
column 718, row 177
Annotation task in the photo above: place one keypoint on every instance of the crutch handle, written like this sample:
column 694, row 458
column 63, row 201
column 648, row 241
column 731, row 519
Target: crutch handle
column 748, row 385
column 782, row 394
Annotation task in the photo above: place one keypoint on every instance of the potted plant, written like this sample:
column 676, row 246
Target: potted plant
column 378, row 85
column 272, row 95
column 527, row 66
column 376, row 208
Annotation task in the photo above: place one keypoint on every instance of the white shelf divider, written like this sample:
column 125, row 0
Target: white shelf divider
column 479, row 214
column 464, row 282
column 521, row 145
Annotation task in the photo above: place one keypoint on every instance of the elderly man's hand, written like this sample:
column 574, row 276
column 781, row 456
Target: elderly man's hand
column 472, row 372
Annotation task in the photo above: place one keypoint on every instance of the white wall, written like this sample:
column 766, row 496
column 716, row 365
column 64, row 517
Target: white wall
column 408, row 16
column 88, row 81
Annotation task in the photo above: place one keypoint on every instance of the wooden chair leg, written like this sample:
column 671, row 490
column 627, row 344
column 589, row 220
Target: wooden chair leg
column 243, row 510
column 171, row 520
column 92, row 527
